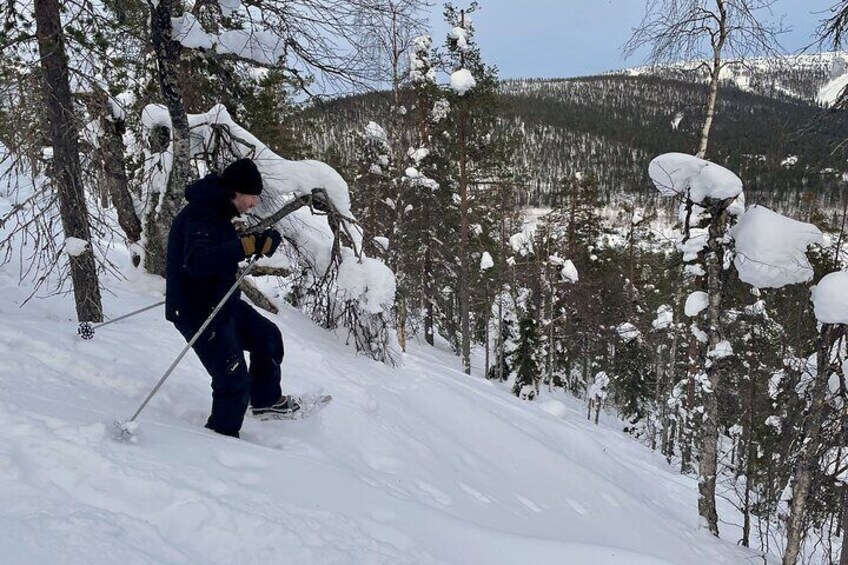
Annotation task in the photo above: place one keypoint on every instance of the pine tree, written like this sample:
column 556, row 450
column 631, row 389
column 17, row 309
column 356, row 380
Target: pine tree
column 526, row 362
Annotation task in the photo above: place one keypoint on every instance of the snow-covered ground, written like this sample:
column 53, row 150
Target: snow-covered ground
column 420, row 464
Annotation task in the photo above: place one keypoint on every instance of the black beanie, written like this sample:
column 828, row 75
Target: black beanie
column 242, row 176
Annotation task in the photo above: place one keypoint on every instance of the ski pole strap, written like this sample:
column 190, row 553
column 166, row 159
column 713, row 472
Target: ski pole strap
column 193, row 339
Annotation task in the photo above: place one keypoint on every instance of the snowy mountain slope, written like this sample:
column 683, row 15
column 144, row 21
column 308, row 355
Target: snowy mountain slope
column 830, row 92
column 801, row 76
column 413, row 465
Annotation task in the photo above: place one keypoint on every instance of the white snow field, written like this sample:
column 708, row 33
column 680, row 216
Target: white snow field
column 417, row 465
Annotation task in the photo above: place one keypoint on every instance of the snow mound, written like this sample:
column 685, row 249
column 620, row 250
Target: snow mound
column 771, row 248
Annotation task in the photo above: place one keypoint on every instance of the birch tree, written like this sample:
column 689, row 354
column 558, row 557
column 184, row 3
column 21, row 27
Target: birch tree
column 707, row 192
column 712, row 33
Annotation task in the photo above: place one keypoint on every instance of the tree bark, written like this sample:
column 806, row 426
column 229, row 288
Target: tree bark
column 66, row 170
column 843, row 557
column 255, row 295
column 464, row 259
column 808, row 456
column 715, row 72
column 115, row 173
column 158, row 222
column 749, row 449
column 708, row 457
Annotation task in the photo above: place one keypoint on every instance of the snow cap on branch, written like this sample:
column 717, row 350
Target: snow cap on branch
column 256, row 45
column 75, row 247
column 830, row 298
column 229, row 6
column 771, row 248
column 369, row 281
column 462, row 37
column 628, row 332
column 696, row 303
column 462, row 81
column 679, row 174
column 421, row 69
column 375, row 132
column 486, row 261
column 664, row 319
column 569, row 272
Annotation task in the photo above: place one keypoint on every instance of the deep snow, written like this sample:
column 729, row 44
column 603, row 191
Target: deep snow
column 414, row 465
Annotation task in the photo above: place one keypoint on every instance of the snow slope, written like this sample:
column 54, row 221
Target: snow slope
column 419, row 465
column 831, row 91
column 760, row 74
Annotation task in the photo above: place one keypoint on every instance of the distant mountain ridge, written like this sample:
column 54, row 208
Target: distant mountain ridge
column 772, row 133
column 809, row 77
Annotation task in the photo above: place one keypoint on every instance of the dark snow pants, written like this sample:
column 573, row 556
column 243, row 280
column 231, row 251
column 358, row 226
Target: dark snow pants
column 221, row 351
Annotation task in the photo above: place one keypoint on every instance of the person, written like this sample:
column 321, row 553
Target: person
column 204, row 251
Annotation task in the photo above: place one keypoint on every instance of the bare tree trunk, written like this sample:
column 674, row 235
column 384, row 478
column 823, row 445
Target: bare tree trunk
column 708, row 456
column 486, row 336
column 715, row 71
column 115, row 173
column 843, row 557
column 255, row 295
column 572, row 219
column 66, row 171
column 429, row 297
column 668, row 424
column 669, row 442
column 808, row 456
column 158, row 222
column 750, row 452
column 686, row 430
column 464, row 259
column 658, row 392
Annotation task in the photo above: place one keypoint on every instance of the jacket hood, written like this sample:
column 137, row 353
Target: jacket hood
column 209, row 193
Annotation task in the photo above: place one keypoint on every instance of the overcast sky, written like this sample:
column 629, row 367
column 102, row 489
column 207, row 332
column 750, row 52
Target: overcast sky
column 567, row 38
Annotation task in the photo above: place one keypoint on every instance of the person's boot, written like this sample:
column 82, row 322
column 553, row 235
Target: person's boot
column 285, row 407
column 209, row 426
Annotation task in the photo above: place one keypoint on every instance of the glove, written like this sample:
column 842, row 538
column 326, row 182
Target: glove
column 265, row 243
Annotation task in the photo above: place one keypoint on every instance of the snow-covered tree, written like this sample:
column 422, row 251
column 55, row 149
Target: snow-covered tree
column 527, row 362
column 707, row 193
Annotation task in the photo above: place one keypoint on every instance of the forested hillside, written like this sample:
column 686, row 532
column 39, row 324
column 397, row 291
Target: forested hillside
column 611, row 126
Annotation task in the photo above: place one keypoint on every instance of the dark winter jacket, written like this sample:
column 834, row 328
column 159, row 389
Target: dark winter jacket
column 204, row 251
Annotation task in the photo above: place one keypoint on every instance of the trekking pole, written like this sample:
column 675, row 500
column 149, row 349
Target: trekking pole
column 127, row 428
column 86, row 329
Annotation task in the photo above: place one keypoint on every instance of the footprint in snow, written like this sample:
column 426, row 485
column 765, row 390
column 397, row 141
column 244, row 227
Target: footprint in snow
column 248, row 479
column 529, row 504
column 240, row 461
column 577, row 507
column 383, row 463
column 475, row 494
column 437, row 494
column 610, row 499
